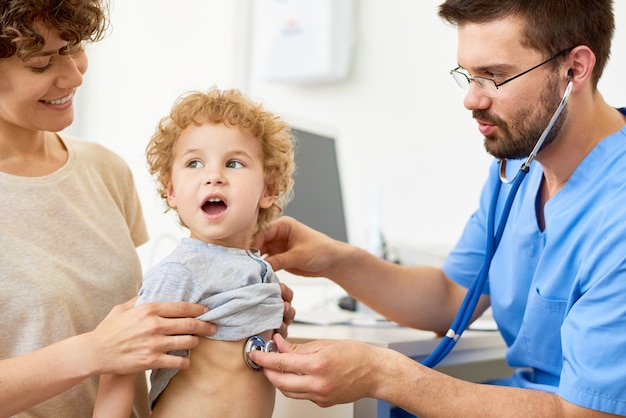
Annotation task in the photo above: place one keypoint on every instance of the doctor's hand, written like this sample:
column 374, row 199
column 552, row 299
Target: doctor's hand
column 326, row 372
column 293, row 246
column 132, row 339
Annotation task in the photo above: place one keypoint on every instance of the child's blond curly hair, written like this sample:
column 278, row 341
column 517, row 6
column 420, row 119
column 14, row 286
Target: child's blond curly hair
column 233, row 109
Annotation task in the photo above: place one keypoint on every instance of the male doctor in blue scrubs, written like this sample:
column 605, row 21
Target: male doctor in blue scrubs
column 557, row 283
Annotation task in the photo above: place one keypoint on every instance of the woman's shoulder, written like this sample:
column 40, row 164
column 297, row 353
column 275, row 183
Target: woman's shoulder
column 92, row 150
column 89, row 148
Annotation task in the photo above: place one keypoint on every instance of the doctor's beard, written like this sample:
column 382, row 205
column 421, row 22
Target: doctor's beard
column 517, row 139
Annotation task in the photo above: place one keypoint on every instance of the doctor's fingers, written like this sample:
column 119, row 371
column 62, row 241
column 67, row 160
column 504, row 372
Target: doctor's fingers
column 307, row 359
column 296, row 386
column 320, row 389
column 283, row 362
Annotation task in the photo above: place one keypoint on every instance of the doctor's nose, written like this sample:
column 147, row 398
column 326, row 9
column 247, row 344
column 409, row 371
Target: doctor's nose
column 476, row 99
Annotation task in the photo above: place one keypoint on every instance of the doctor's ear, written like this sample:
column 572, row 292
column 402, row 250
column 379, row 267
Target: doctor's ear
column 581, row 61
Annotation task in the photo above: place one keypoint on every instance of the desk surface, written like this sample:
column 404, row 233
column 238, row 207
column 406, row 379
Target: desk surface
column 474, row 346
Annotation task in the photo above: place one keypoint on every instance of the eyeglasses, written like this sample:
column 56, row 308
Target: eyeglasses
column 488, row 85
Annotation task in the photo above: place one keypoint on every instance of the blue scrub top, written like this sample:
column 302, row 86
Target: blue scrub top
column 559, row 295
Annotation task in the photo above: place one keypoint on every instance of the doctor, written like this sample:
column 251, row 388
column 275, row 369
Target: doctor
column 557, row 282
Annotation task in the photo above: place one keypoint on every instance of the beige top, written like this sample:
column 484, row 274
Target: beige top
column 67, row 256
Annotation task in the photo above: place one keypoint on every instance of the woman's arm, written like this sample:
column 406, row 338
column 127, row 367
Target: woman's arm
column 129, row 340
column 42, row 374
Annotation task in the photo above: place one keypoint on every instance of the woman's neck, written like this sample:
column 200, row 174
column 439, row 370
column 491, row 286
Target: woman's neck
column 35, row 156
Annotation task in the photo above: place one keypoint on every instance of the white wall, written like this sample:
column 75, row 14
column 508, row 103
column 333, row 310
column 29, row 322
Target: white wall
column 398, row 118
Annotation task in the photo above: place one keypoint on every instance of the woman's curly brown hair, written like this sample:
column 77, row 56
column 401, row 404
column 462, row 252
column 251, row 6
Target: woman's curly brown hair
column 76, row 20
column 233, row 109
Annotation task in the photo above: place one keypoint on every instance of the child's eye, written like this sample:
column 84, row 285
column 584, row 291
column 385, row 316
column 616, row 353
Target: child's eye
column 194, row 164
column 234, row 164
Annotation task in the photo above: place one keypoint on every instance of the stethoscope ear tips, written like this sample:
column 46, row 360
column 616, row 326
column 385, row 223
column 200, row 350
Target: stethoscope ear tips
column 256, row 343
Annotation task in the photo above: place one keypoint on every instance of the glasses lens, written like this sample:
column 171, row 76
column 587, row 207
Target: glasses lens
column 461, row 79
column 487, row 85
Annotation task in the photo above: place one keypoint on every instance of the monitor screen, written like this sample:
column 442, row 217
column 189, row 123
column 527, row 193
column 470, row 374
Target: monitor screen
column 317, row 200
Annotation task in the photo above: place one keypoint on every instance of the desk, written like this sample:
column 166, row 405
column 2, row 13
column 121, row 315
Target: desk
column 473, row 347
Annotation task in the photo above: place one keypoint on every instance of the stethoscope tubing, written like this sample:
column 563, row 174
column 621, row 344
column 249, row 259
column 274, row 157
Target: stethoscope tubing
column 464, row 315
column 470, row 301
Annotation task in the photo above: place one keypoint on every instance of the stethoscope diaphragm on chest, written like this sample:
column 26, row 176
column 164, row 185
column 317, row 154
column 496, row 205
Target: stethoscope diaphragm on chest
column 256, row 343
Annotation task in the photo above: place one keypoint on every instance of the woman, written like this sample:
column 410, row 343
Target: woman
column 70, row 222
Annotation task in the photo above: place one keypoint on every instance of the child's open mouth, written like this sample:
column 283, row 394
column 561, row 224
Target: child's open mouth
column 214, row 206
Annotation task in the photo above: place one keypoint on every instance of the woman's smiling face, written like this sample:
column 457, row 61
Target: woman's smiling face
column 37, row 93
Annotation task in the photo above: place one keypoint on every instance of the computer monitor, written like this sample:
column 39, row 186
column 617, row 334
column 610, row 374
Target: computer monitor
column 317, row 200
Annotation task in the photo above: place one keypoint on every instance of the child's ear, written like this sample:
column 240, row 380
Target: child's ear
column 267, row 199
column 171, row 196
column 269, row 193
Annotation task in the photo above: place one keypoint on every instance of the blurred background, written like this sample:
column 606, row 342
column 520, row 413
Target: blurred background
column 373, row 76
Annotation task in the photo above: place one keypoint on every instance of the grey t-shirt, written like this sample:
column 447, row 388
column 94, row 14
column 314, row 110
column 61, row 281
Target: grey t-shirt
column 240, row 289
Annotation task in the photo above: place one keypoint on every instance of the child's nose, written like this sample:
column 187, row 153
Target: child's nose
column 215, row 176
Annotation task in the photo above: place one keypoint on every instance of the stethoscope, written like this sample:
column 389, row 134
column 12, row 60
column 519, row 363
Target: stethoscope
column 256, row 343
column 470, row 301
column 463, row 316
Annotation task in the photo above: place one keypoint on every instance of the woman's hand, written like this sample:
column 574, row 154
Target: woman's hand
column 289, row 311
column 136, row 338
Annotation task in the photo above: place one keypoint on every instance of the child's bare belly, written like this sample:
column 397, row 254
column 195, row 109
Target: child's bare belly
column 218, row 384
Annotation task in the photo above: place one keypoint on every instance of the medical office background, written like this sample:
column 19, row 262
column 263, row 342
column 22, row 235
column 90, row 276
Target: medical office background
column 411, row 160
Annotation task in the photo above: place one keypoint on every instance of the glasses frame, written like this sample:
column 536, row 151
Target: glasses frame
column 480, row 81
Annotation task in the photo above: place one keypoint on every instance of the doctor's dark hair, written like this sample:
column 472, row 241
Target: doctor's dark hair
column 233, row 109
column 550, row 26
column 76, row 20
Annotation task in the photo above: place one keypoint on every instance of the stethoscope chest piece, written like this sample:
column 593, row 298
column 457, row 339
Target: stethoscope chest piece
column 256, row 343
